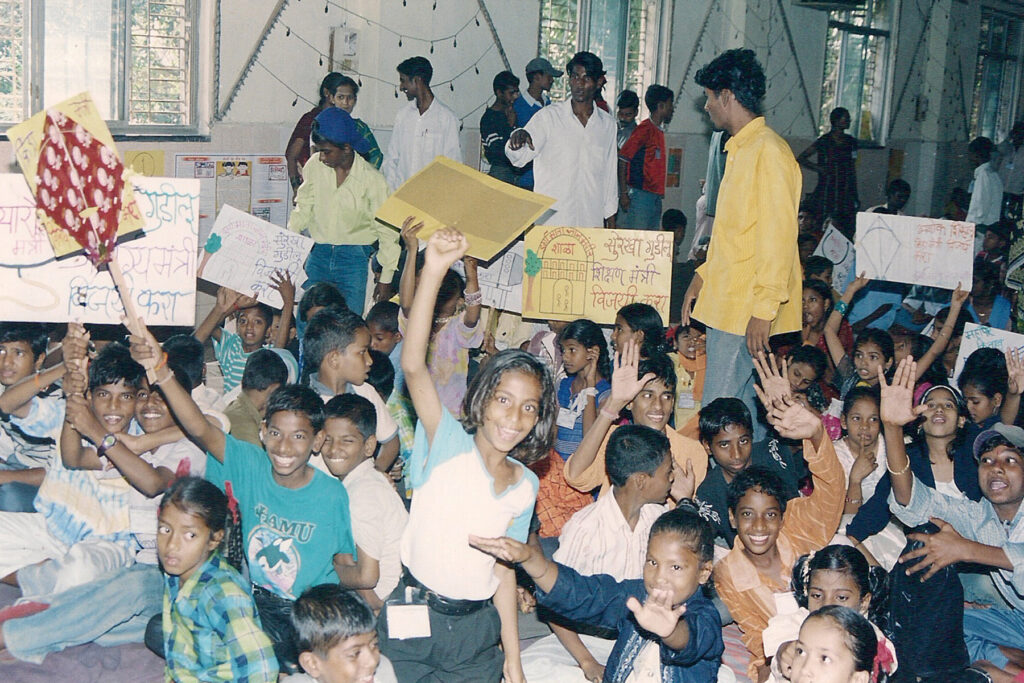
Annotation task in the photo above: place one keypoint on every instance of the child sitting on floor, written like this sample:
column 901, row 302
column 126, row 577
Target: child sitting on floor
column 667, row 629
column 252, row 321
column 264, row 373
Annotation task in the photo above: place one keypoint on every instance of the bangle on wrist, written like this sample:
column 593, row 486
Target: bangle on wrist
column 842, row 307
column 608, row 413
column 897, row 472
column 854, row 500
column 160, row 380
column 163, row 362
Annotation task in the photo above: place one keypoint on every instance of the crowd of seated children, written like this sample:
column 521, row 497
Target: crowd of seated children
column 252, row 321
column 585, row 386
column 264, row 373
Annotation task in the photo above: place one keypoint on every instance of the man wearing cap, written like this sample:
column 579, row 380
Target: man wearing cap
column 572, row 147
column 540, row 76
column 335, row 205
column 988, row 532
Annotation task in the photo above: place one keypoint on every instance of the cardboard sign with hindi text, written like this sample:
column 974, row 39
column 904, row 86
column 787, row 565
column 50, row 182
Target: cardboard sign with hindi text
column 591, row 273
column 160, row 267
column 916, row 251
column 982, row 337
column 243, row 253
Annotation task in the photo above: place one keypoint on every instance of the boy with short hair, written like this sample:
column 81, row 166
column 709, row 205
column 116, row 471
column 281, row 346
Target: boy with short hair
column 610, row 537
column 30, row 410
column 726, row 433
column 337, row 344
column 295, row 520
column 648, row 390
column 264, row 373
column 378, row 514
column 770, row 538
column 232, row 349
column 988, row 532
column 336, row 638
column 643, row 164
column 382, row 322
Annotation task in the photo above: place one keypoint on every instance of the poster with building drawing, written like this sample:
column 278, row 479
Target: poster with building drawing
column 501, row 280
column 159, row 267
column 913, row 250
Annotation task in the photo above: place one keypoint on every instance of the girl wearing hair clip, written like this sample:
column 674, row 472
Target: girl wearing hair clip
column 835, row 575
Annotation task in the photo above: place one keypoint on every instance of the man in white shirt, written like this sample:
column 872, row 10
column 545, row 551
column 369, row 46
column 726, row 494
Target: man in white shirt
column 986, row 189
column 1009, row 161
column 572, row 147
column 424, row 128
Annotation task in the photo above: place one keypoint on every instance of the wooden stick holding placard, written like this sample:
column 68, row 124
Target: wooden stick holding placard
column 131, row 317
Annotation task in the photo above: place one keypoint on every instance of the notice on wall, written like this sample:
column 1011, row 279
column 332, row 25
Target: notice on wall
column 159, row 267
column 254, row 183
column 593, row 272
column 982, row 337
column 243, row 253
column 916, row 251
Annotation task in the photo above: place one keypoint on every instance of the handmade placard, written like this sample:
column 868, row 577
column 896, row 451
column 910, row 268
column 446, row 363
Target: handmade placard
column 243, row 253
column 917, row 251
column 591, row 273
column 160, row 267
column 982, row 337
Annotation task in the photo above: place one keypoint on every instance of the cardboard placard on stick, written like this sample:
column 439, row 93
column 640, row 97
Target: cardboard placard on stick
column 916, row 251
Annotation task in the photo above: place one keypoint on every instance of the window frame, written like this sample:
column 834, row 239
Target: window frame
column 885, row 87
column 1017, row 59
column 34, row 72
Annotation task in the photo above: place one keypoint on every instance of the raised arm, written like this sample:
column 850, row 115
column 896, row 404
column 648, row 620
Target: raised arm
column 17, row 399
column 897, row 409
column 227, row 301
column 1015, row 387
column 938, row 347
column 835, row 318
column 625, row 386
column 147, row 352
column 474, row 297
column 283, row 283
column 407, row 283
column 444, row 248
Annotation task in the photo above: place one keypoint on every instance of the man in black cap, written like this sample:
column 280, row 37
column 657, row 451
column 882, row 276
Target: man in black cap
column 540, row 76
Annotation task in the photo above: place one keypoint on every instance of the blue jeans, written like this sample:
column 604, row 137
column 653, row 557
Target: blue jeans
column 111, row 611
column 730, row 373
column 644, row 211
column 343, row 265
column 986, row 629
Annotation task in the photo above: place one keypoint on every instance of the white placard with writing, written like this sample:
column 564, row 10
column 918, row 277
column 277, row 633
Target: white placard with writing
column 982, row 337
column 160, row 267
column 836, row 248
column 917, row 251
column 243, row 253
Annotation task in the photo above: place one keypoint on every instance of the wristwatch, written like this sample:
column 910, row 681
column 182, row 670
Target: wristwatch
column 106, row 444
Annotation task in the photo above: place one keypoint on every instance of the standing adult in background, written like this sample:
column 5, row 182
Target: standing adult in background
column 986, row 190
column 297, row 150
column 496, row 126
column 627, row 108
column 424, row 128
column 708, row 200
column 572, row 147
column 336, row 203
column 835, row 196
column 540, row 76
column 642, row 164
column 345, row 95
column 750, row 286
column 1009, row 162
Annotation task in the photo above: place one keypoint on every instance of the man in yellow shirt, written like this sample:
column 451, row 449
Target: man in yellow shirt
column 750, row 286
column 335, row 205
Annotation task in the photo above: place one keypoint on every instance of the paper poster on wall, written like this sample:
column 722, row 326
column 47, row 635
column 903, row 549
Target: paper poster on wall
column 149, row 162
column 593, row 272
column 254, row 183
column 243, row 253
column 982, row 337
column 916, row 251
column 489, row 212
column 836, row 248
column 159, row 267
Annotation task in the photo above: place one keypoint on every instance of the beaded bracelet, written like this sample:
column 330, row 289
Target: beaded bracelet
column 473, row 298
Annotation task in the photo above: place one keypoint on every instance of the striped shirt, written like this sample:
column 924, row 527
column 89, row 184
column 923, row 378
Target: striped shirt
column 231, row 358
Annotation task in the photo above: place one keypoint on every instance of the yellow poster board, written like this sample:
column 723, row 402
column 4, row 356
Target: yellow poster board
column 591, row 273
column 27, row 141
column 148, row 162
column 489, row 212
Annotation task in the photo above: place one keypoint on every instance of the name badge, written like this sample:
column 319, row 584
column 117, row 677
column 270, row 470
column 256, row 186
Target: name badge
column 409, row 618
column 566, row 418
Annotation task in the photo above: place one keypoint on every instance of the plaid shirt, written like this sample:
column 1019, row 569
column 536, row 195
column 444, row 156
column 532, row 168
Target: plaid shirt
column 211, row 630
